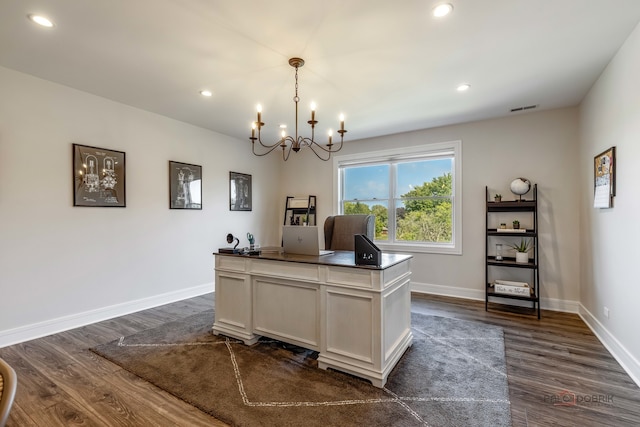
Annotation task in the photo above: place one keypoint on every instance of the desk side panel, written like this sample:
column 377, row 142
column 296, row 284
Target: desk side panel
column 233, row 306
column 396, row 312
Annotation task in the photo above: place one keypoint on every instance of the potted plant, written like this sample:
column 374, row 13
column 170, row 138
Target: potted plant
column 522, row 251
column 305, row 220
column 497, row 198
column 516, row 224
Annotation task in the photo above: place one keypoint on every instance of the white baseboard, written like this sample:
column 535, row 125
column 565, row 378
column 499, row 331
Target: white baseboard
column 447, row 291
column 478, row 294
column 628, row 362
column 60, row 324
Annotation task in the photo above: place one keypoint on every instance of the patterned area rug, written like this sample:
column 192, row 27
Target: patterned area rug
column 453, row 375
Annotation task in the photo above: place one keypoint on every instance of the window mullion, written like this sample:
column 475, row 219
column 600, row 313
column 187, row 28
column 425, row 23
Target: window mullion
column 392, row 202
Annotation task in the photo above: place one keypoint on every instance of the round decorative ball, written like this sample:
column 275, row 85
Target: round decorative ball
column 520, row 186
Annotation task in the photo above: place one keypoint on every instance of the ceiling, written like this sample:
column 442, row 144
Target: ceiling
column 388, row 66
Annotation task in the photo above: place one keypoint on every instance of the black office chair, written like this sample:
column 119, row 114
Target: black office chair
column 8, row 386
column 340, row 229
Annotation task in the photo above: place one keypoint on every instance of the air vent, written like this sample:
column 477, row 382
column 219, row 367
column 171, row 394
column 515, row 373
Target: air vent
column 528, row 107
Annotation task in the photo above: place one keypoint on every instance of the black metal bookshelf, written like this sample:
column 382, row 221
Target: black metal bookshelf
column 501, row 266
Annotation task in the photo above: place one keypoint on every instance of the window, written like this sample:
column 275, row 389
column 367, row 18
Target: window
column 413, row 192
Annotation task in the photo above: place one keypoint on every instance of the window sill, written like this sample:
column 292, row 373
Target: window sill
column 407, row 247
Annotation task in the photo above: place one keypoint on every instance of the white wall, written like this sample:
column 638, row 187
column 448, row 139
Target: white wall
column 60, row 265
column 610, row 116
column 540, row 146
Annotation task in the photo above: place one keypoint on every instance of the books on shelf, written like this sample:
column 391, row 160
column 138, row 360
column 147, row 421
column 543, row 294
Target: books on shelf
column 512, row 288
column 512, row 230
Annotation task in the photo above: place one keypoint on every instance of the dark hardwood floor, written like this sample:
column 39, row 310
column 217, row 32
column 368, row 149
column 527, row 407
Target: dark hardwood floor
column 558, row 372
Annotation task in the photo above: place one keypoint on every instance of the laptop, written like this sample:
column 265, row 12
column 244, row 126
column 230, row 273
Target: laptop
column 301, row 240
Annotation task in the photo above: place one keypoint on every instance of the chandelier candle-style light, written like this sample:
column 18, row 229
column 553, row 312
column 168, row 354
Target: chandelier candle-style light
column 295, row 143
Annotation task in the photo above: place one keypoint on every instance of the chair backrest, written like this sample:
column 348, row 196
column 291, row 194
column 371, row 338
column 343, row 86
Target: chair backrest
column 8, row 386
column 340, row 229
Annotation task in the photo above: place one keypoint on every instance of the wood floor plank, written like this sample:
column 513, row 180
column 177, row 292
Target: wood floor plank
column 62, row 383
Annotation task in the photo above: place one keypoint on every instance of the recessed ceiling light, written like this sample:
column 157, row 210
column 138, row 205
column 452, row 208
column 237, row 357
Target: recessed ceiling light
column 463, row 87
column 442, row 10
column 41, row 20
column 206, row 93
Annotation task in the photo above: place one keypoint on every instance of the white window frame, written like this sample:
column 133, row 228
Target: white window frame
column 422, row 152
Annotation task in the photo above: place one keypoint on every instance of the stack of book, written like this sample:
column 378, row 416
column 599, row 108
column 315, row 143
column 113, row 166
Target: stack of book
column 512, row 288
column 512, row 230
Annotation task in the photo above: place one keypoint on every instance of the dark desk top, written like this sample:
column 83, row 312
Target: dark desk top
column 338, row 258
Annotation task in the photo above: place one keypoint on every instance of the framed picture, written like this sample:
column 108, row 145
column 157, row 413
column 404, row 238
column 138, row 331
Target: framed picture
column 239, row 191
column 604, row 178
column 98, row 177
column 185, row 186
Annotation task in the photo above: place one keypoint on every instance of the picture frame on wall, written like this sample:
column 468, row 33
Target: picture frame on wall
column 604, row 178
column 185, row 186
column 240, row 192
column 98, row 177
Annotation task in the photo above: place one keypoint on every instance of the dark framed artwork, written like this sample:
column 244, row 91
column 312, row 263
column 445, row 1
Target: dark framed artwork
column 185, row 186
column 98, row 177
column 604, row 178
column 239, row 191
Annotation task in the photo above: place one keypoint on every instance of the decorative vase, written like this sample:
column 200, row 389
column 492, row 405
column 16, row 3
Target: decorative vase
column 522, row 257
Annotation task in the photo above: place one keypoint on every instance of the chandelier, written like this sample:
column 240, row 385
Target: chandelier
column 290, row 143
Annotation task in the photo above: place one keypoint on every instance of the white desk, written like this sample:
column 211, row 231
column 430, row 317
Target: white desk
column 357, row 317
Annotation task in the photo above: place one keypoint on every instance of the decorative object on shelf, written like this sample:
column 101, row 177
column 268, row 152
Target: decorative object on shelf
column 185, row 186
column 503, row 226
column 239, row 191
column 498, row 251
column 516, row 224
column 520, row 187
column 522, row 251
column 295, row 143
column 497, row 198
column 98, row 177
column 604, row 178
column 305, row 220
column 512, row 288
column 511, row 230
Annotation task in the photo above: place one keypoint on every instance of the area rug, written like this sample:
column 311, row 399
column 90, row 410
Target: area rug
column 453, row 375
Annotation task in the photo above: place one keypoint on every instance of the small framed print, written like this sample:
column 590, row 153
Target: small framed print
column 604, row 178
column 185, row 186
column 98, row 177
column 239, row 191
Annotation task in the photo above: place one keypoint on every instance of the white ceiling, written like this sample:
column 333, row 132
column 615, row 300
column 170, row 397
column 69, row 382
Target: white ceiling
column 388, row 66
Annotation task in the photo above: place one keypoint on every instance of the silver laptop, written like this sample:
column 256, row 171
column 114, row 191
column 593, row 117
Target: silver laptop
column 301, row 240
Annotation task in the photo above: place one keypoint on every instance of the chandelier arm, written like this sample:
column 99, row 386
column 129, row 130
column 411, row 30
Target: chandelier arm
column 319, row 154
column 269, row 146
column 285, row 146
column 270, row 149
column 310, row 143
